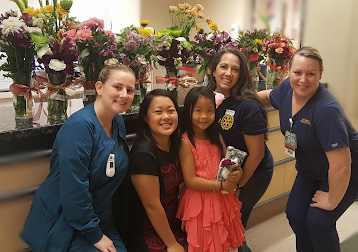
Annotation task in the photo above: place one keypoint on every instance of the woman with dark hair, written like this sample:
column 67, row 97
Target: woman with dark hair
column 325, row 146
column 155, row 175
column 243, row 124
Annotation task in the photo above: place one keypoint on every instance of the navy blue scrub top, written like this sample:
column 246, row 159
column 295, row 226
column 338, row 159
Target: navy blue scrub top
column 320, row 126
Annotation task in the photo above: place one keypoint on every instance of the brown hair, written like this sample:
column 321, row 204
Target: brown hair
column 309, row 52
column 112, row 65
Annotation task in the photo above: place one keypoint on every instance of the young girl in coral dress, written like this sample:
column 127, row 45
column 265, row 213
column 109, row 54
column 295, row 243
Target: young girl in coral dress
column 211, row 219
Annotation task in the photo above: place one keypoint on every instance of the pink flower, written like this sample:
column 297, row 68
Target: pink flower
column 109, row 34
column 226, row 163
column 71, row 34
column 279, row 50
column 84, row 35
column 253, row 57
column 92, row 22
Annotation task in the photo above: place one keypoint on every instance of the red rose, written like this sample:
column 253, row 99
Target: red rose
column 253, row 57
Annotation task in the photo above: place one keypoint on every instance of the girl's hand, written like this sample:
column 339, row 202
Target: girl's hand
column 105, row 245
column 229, row 186
column 175, row 248
column 235, row 176
column 321, row 200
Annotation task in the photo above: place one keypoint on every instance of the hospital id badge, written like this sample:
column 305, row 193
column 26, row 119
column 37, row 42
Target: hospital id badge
column 290, row 143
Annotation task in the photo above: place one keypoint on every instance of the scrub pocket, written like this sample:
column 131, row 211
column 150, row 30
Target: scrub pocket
column 46, row 231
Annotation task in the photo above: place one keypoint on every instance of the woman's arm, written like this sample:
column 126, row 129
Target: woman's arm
column 256, row 148
column 338, row 179
column 265, row 97
column 196, row 183
column 148, row 189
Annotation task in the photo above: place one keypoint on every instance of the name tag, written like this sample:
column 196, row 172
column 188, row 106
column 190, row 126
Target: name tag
column 230, row 112
column 290, row 143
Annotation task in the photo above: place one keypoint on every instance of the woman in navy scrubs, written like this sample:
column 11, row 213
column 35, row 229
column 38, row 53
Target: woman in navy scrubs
column 325, row 145
column 242, row 124
column 72, row 209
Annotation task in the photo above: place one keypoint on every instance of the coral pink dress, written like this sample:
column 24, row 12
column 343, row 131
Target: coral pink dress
column 212, row 220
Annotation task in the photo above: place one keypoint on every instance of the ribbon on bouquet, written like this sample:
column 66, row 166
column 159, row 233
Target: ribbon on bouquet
column 52, row 90
column 143, row 78
column 19, row 89
column 184, row 80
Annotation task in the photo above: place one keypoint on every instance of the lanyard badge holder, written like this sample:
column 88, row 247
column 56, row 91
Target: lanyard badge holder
column 110, row 168
column 290, row 141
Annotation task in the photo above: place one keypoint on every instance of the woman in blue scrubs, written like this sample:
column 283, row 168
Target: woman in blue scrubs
column 72, row 209
column 325, row 146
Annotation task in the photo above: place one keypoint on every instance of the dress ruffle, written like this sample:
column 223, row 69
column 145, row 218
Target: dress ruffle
column 212, row 220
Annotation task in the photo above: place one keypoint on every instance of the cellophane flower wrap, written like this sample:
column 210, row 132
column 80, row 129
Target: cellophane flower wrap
column 232, row 160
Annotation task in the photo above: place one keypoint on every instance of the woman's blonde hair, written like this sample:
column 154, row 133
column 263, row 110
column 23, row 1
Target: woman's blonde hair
column 309, row 52
column 112, row 65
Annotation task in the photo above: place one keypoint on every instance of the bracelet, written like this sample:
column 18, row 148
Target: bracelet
column 221, row 186
column 239, row 187
column 213, row 185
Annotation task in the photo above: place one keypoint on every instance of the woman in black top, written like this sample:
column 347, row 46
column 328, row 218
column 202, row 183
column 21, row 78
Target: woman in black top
column 155, row 175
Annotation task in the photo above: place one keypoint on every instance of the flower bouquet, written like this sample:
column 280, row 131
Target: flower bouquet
column 137, row 48
column 174, row 54
column 58, row 56
column 231, row 162
column 251, row 44
column 279, row 52
column 207, row 44
column 95, row 45
column 16, row 43
column 184, row 17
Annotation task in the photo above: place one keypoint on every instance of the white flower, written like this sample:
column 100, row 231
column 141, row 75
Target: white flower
column 33, row 30
column 181, row 39
column 57, row 65
column 44, row 51
column 37, row 22
column 12, row 25
column 210, row 35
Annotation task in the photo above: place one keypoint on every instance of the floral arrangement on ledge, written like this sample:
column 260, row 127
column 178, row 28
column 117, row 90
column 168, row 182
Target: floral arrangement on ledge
column 184, row 17
column 16, row 43
column 279, row 52
column 207, row 44
column 94, row 44
column 252, row 45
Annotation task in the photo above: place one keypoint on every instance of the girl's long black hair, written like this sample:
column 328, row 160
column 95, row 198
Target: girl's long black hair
column 187, row 123
column 143, row 130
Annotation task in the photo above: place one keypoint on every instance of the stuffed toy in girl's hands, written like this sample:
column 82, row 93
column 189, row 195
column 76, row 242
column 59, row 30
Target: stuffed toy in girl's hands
column 231, row 162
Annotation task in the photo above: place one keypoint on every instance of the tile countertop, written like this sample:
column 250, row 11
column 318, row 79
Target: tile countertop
column 39, row 135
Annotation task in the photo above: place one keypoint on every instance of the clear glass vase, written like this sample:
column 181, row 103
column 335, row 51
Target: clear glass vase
column 274, row 77
column 57, row 102
column 172, row 88
column 23, row 105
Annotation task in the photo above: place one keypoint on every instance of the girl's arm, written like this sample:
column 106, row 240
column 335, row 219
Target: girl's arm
column 256, row 148
column 265, row 97
column 338, row 179
column 196, row 183
column 148, row 189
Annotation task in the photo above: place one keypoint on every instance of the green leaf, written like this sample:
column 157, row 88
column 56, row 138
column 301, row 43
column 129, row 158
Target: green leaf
column 85, row 53
column 39, row 40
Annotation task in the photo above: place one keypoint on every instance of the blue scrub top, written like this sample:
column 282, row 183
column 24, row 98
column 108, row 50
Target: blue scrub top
column 76, row 197
column 320, row 126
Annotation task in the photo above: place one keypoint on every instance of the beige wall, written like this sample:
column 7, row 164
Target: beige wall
column 331, row 27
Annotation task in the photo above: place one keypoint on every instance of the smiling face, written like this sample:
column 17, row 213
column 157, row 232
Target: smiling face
column 162, row 117
column 227, row 73
column 305, row 75
column 117, row 93
column 203, row 115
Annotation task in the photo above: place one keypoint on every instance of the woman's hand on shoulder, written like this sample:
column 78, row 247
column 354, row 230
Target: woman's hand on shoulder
column 175, row 248
column 105, row 245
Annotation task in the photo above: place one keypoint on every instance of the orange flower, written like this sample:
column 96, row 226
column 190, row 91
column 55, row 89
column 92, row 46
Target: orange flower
column 279, row 50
